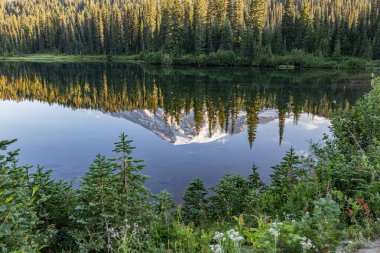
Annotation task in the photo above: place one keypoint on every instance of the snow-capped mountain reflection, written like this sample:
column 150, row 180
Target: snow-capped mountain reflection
column 186, row 131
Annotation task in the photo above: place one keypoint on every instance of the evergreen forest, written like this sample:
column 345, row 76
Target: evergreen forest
column 223, row 31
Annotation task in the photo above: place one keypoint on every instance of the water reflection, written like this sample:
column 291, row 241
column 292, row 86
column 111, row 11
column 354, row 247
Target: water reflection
column 185, row 106
column 185, row 122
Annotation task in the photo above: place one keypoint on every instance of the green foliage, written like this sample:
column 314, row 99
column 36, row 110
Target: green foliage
column 112, row 211
column 230, row 197
column 18, row 215
column 323, row 226
column 174, row 28
column 195, row 203
column 99, row 204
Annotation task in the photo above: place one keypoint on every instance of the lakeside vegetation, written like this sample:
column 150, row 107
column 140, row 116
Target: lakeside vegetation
column 313, row 204
column 297, row 33
column 297, row 59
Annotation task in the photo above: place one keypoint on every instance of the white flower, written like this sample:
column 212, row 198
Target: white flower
column 234, row 236
column 306, row 243
column 274, row 232
column 218, row 236
column 136, row 225
column 216, row 248
column 110, row 230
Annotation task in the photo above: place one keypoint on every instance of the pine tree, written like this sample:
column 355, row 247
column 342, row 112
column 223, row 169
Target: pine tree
column 288, row 24
column 226, row 36
column 230, row 197
column 195, row 203
column 129, row 181
column 376, row 45
column 18, row 217
column 165, row 207
column 99, row 203
column 199, row 39
column 287, row 173
column 254, row 179
column 257, row 15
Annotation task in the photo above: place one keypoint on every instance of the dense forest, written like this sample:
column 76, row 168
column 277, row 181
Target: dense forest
column 318, row 203
column 250, row 29
column 216, row 96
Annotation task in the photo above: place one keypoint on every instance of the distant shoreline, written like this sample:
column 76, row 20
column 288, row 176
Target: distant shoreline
column 287, row 62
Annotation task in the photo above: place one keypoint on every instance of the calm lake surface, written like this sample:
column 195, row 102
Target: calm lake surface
column 185, row 122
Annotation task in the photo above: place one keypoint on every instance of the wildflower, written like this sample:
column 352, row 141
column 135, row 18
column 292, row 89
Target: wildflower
column 136, row 225
column 218, row 236
column 274, row 232
column 216, row 248
column 365, row 206
column 109, row 246
column 234, row 236
column 360, row 201
column 306, row 244
column 110, row 230
column 114, row 235
column 349, row 212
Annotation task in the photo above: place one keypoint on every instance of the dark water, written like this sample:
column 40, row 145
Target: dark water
column 184, row 122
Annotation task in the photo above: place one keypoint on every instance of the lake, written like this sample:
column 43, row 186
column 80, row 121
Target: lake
column 185, row 122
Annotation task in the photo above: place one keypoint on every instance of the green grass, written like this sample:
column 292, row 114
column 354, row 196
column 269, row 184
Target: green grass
column 56, row 58
column 292, row 60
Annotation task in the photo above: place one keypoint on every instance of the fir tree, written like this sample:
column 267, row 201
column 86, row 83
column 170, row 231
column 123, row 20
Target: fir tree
column 287, row 173
column 226, row 36
column 129, row 181
column 288, row 24
column 18, row 216
column 195, row 202
column 254, row 179
column 98, row 207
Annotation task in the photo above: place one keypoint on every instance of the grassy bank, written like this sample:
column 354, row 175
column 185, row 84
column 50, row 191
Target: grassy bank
column 293, row 60
column 56, row 58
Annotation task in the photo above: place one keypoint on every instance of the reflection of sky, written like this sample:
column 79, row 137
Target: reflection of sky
column 67, row 141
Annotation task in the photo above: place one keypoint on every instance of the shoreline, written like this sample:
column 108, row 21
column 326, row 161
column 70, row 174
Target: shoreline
column 277, row 62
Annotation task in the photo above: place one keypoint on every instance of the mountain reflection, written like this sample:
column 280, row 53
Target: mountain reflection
column 185, row 105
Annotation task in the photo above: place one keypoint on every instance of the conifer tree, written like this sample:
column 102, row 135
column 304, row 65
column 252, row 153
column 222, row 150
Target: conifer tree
column 195, row 202
column 98, row 207
column 226, row 36
column 288, row 24
column 257, row 15
column 165, row 207
column 230, row 197
column 199, row 39
column 18, row 217
column 287, row 173
column 254, row 179
column 129, row 181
